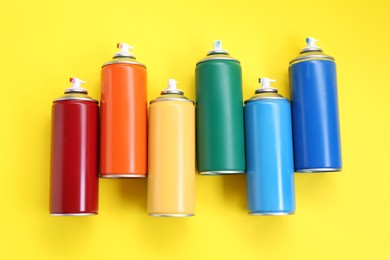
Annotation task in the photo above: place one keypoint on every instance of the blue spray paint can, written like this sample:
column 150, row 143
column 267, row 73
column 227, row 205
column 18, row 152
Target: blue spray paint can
column 315, row 114
column 269, row 153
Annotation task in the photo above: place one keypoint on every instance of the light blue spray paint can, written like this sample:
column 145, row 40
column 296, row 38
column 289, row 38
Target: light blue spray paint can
column 269, row 152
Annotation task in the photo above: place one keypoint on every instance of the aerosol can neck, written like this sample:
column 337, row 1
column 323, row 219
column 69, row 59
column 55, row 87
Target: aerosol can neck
column 266, row 86
column 171, row 89
column 124, row 50
column 76, row 86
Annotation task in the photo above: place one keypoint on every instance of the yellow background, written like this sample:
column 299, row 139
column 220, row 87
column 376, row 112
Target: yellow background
column 339, row 216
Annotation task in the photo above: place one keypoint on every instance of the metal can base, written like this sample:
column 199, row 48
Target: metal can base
column 318, row 170
column 213, row 173
column 270, row 213
column 73, row 214
column 175, row 215
column 122, row 176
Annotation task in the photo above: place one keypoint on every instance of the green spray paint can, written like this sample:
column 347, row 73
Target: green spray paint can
column 219, row 114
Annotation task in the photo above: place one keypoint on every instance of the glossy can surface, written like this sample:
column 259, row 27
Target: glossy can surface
column 219, row 117
column 269, row 157
column 314, row 104
column 74, row 158
column 171, row 177
column 123, row 140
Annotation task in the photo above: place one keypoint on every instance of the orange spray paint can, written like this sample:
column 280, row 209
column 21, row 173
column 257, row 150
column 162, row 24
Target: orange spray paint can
column 123, row 129
column 171, row 177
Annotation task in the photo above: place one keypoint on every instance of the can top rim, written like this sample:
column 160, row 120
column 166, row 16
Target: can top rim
column 123, row 60
column 265, row 95
column 311, row 48
column 217, row 56
column 75, row 96
column 213, row 52
column 70, row 91
column 315, row 54
column 172, row 91
column 172, row 97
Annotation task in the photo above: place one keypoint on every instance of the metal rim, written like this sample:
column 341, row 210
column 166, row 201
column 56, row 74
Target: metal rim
column 317, row 170
column 311, row 57
column 123, row 62
column 76, row 98
column 264, row 98
column 121, row 176
column 171, row 99
column 217, row 52
column 73, row 214
column 123, row 56
column 310, row 49
column 173, row 215
column 170, row 91
column 210, row 173
column 76, row 91
column 259, row 91
column 217, row 58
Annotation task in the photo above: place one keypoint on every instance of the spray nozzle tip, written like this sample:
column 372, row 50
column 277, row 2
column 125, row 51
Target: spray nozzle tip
column 311, row 42
column 265, row 82
column 124, row 46
column 124, row 49
column 217, row 47
column 172, row 84
column 266, row 85
column 76, row 80
column 76, row 85
column 171, row 89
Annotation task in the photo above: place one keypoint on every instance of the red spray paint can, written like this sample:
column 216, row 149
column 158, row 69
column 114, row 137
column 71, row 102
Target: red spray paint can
column 74, row 153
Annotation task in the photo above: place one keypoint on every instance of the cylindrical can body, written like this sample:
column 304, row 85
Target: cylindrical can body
column 219, row 117
column 74, row 158
column 171, row 176
column 269, row 157
column 315, row 116
column 123, row 136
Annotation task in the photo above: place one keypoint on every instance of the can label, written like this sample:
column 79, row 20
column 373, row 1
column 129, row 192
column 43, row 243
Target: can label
column 123, row 136
column 74, row 158
column 219, row 120
column 314, row 104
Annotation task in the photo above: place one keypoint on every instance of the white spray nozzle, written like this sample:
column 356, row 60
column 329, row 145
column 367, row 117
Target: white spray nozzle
column 266, row 85
column 124, row 49
column 171, row 89
column 172, row 84
column 76, row 85
column 217, row 47
column 311, row 42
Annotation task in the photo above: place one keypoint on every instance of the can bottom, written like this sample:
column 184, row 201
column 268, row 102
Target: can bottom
column 175, row 215
column 271, row 213
column 73, row 214
column 121, row 176
column 212, row 173
column 317, row 170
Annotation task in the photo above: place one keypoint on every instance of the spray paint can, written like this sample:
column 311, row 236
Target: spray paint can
column 171, row 177
column 74, row 153
column 269, row 153
column 219, row 114
column 123, row 128
column 315, row 114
